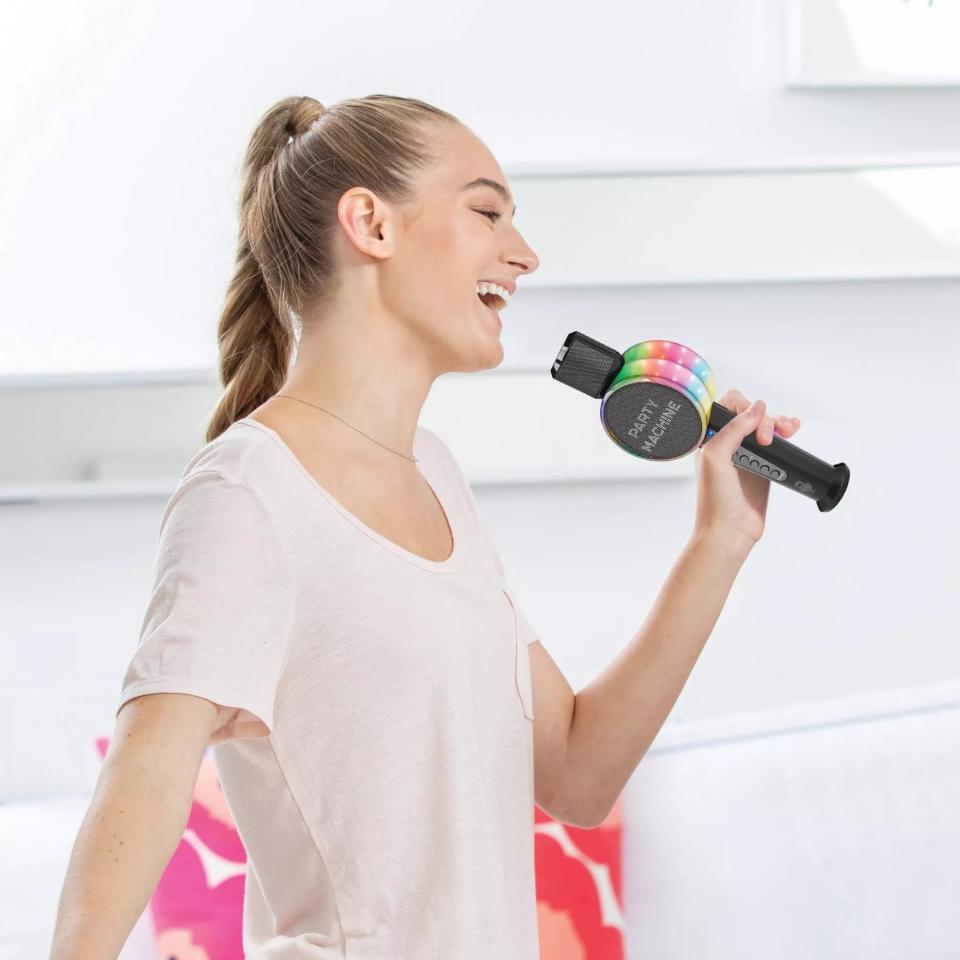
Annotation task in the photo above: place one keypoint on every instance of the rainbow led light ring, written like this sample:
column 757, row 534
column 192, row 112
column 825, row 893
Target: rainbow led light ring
column 676, row 353
column 672, row 364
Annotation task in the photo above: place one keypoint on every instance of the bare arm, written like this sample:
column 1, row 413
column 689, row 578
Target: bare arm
column 136, row 818
column 617, row 715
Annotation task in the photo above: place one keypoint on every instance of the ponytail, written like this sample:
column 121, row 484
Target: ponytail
column 299, row 161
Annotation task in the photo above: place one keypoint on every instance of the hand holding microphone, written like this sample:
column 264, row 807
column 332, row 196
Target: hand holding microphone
column 658, row 404
column 732, row 504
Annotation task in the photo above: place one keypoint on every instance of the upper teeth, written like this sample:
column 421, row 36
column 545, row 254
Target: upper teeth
column 484, row 287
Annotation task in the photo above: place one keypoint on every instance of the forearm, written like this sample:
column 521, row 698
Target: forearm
column 125, row 842
column 618, row 714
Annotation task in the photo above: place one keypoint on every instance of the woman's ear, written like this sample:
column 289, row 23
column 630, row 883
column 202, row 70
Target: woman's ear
column 367, row 222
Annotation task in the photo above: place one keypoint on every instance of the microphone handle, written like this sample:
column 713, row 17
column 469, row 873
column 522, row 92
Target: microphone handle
column 785, row 463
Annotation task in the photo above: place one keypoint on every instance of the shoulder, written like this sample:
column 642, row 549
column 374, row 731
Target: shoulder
column 431, row 445
column 426, row 440
column 229, row 454
column 434, row 447
column 217, row 487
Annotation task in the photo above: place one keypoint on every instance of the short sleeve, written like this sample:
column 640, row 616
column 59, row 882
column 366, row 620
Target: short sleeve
column 526, row 628
column 220, row 614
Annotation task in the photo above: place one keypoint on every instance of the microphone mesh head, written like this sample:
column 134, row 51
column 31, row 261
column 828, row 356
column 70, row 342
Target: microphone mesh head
column 652, row 420
column 586, row 364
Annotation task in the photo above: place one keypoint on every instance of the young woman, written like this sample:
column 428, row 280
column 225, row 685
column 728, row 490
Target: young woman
column 329, row 609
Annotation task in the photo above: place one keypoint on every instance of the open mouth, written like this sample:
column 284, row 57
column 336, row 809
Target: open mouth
column 492, row 300
column 492, row 304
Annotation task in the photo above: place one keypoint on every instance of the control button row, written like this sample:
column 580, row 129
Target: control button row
column 758, row 465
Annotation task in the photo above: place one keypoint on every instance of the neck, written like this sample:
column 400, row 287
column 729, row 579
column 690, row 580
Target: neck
column 363, row 375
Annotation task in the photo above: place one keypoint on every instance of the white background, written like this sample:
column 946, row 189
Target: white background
column 123, row 129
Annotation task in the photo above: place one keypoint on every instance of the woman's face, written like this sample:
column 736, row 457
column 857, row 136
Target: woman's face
column 456, row 236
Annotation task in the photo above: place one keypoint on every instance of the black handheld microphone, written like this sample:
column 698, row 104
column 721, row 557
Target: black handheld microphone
column 658, row 404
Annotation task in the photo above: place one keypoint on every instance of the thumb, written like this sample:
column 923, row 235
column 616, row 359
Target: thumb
column 728, row 439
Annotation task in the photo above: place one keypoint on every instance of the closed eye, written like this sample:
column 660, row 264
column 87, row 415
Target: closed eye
column 494, row 215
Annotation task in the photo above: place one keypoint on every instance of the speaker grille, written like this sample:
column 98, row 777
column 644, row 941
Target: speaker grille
column 586, row 364
column 652, row 420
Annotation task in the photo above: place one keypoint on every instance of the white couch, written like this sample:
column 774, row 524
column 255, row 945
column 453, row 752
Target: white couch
column 824, row 831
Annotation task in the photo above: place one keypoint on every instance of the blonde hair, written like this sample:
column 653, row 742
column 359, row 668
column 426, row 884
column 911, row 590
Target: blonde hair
column 300, row 160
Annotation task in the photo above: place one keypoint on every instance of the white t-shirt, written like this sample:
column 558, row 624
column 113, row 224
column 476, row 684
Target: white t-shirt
column 374, row 735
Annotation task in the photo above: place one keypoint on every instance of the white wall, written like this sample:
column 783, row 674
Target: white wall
column 858, row 602
column 125, row 125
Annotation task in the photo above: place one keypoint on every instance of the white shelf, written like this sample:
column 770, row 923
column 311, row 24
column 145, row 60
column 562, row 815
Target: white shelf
column 600, row 229
column 85, row 490
column 631, row 469
column 131, row 442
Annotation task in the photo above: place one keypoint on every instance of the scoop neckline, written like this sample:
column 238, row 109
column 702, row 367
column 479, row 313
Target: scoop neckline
column 449, row 565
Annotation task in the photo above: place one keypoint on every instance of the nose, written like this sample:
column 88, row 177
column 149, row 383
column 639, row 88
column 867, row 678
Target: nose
column 523, row 257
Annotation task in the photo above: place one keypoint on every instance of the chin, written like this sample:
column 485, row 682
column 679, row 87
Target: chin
column 484, row 357
column 491, row 354
column 483, row 351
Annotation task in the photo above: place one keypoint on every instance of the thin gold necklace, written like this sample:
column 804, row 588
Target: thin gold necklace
column 352, row 427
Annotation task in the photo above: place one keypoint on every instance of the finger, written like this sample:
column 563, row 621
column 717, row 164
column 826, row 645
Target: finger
column 782, row 426
column 764, row 430
column 728, row 439
column 734, row 400
column 787, row 426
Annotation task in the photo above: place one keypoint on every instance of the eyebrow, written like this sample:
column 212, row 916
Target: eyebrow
column 487, row 182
